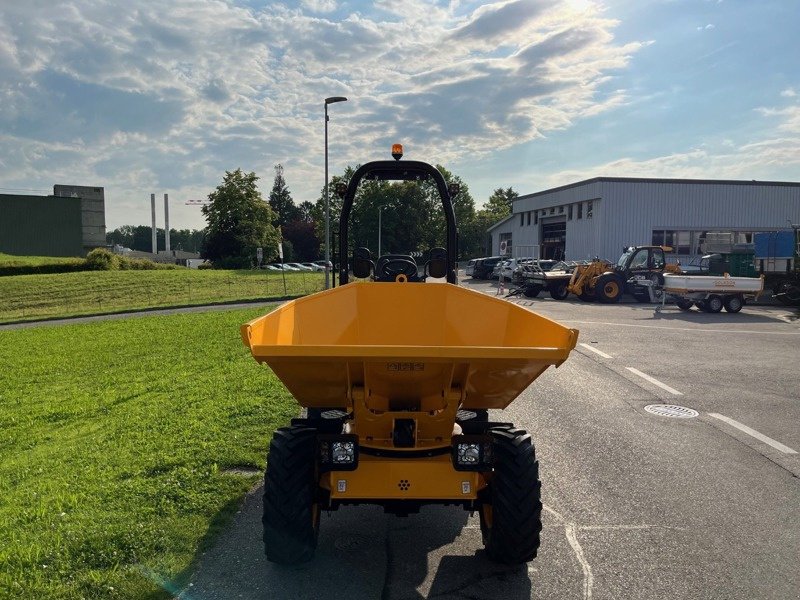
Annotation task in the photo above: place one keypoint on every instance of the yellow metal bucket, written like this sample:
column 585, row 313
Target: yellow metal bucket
column 406, row 346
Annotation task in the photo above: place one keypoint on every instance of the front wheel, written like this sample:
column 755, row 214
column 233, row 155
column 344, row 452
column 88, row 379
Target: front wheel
column 559, row 292
column 511, row 514
column 532, row 290
column 608, row 289
column 291, row 515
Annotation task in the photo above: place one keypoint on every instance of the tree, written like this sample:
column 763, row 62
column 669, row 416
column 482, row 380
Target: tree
column 499, row 204
column 239, row 221
column 280, row 201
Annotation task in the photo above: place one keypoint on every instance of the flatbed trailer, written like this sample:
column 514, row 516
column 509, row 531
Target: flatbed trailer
column 710, row 293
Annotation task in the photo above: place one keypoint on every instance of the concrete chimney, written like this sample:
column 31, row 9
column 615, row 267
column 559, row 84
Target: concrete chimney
column 166, row 223
column 153, row 210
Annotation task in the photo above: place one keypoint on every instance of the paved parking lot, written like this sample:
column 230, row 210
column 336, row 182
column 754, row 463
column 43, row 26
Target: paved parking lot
column 637, row 505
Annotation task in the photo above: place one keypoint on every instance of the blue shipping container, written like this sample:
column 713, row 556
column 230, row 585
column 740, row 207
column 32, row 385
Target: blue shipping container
column 774, row 244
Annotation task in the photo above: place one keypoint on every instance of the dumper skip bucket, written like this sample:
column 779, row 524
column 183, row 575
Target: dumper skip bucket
column 406, row 346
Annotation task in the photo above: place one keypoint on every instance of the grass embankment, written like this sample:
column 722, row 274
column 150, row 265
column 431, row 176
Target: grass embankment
column 113, row 441
column 27, row 297
column 9, row 260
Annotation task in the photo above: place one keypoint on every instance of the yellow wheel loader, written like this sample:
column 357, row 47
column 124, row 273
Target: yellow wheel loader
column 397, row 378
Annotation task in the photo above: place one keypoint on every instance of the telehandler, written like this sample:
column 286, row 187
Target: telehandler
column 397, row 383
column 638, row 270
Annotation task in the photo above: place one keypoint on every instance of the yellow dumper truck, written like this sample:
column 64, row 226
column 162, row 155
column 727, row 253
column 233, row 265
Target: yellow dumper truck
column 397, row 383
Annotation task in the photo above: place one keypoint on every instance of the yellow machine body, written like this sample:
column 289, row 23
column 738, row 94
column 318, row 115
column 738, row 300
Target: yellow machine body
column 411, row 351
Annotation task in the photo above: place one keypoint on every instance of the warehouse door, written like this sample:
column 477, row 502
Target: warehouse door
column 554, row 239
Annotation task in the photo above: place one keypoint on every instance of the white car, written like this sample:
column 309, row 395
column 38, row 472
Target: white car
column 299, row 267
column 313, row 266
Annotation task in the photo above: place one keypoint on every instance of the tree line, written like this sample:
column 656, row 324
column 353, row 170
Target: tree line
column 409, row 213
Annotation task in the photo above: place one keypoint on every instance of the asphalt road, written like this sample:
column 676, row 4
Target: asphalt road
column 636, row 505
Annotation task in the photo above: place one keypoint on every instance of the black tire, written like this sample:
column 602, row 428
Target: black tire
column 684, row 304
column 642, row 296
column 586, row 296
column 702, row 305
column 532, row 290
column 733, row 303
column 608, row 289
column 559, row 292
column 291, row 516
column 714, row 303
column 511, row 514
column 788, row 292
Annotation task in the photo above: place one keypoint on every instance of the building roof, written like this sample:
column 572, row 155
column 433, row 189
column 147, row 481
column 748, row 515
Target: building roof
column 657, row 180
column 508, row 218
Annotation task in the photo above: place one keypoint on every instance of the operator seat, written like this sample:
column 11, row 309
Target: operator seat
column 391, row 266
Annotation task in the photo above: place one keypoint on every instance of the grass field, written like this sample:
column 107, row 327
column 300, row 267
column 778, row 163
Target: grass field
column 27, row 297
column 114, row 438
column 8, row 260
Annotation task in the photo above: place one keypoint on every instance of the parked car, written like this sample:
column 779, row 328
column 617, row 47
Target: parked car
column 484, row 266
column 313, row 266
column 510, row 266
column 321, row 263
column 470, row 267
column 299, row 267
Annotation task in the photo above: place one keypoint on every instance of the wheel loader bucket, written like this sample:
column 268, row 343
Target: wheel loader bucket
column 406, row 346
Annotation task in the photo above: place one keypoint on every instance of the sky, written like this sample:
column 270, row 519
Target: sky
column 164, row 96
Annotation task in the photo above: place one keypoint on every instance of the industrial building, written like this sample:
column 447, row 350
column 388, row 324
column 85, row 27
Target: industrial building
column 69, row 223
column 598, row 216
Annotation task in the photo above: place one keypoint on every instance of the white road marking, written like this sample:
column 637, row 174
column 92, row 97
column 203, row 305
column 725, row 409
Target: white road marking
column 588, row 578
column 752, row 432
column 569, row 530
column 655, row 381
column 678, row 328
column 595, row 350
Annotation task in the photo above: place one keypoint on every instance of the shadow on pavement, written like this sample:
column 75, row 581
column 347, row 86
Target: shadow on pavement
column 362, row 554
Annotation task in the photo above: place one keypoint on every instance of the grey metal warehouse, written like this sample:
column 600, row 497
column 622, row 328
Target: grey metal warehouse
column 599, row 216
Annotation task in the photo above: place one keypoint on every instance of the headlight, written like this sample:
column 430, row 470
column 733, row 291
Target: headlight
column 472, row 453
column 338, row 452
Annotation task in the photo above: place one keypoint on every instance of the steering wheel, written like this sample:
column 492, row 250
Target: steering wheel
column 390, row 268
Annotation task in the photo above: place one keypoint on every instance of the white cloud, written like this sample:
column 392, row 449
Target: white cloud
column 706, row 27
column 164, row 95
column 320, row 6
column 788, row 93
column 779, row 148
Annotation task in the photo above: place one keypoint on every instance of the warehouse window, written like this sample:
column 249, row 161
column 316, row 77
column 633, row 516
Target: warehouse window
column 553, row 211
column 569, row 213
column 561, row 210
column 529, row 217
column 580, row 210
column 658, row 237
column 521, row 219
column 589, row 209
column 536, row 217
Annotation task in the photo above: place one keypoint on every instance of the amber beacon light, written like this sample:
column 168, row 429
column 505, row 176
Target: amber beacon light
column 397, row 151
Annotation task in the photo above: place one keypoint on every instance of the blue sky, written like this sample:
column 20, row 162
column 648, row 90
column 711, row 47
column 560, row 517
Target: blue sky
column 165, row 95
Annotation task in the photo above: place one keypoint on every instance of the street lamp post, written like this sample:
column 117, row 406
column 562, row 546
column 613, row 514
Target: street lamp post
column 330, row 100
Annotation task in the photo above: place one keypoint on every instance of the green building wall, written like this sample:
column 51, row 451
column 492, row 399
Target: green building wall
column 40, row 226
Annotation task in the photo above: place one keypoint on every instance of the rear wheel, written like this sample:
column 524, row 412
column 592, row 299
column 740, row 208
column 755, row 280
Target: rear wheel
column 291, row 515
column 608, row 289
column 714, row 303
column 559, row 292
column 532, row 290
column 733, row 304
column 684, row 304
column 511, row 514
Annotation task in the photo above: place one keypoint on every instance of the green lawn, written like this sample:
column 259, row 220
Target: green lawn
column 9, row 260
column 26, row 297
column 113, row 441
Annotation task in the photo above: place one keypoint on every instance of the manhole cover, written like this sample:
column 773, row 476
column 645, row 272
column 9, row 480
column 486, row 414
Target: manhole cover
column 671, row 410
